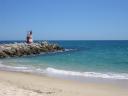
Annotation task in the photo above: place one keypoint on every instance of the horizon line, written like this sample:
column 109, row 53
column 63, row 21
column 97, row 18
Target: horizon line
column 73, row 40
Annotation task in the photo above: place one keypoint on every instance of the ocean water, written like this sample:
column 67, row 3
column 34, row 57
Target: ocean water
column 81, row 59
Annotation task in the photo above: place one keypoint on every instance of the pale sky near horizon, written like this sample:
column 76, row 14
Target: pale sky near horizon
column 64, row 19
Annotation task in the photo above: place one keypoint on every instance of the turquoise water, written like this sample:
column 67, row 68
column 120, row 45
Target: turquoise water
column 94, row 59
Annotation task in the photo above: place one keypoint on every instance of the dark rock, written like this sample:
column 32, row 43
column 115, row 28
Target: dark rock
column 3, row 55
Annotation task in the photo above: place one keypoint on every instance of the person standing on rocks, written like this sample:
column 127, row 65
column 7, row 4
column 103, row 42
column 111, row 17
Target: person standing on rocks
column 29, row 38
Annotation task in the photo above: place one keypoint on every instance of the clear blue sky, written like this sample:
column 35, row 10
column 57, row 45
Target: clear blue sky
column 64, row 19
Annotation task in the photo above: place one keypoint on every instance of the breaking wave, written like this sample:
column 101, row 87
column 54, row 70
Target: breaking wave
column 50, row 70
column 54, row 71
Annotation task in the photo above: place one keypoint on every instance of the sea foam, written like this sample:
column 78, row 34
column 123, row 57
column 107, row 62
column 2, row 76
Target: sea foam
column 50, row 70
column 54, row 71
column 14, row 68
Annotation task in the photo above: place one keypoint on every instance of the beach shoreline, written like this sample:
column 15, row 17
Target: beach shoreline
column 27, row 84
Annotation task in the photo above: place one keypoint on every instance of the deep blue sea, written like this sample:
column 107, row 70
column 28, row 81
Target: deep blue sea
column 83, row 59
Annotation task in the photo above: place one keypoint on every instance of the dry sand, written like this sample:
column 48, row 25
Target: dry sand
column 25, row 84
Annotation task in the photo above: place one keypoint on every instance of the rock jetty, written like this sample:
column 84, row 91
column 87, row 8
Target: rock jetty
column 22, row 49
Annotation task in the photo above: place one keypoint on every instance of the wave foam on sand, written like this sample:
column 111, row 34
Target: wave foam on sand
column 54, row 71
column 87, row 74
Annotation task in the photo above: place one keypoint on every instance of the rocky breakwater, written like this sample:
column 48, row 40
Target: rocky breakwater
column 22, row 49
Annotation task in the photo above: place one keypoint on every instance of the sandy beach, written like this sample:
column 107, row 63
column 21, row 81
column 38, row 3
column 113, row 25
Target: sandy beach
column 26, row 84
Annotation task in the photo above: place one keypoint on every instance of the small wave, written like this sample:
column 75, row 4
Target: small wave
column 70, row 49
column 54, row 71
column 29, row 69
column 87, row 74
column 14, row 68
